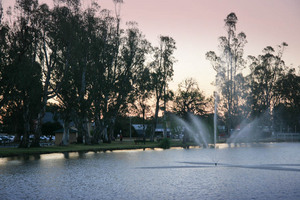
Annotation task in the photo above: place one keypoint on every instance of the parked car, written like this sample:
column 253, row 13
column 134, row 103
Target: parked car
column 11, row 137
column 4, row 139
column 43, row 137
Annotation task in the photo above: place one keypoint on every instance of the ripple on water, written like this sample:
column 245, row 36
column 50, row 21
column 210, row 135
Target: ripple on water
column 259, row 172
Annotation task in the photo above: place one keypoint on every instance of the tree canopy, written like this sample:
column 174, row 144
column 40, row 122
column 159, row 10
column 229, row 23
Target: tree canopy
column 97, row 71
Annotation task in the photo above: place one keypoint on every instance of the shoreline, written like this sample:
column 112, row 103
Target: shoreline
column 6, row 152
column 103, row 147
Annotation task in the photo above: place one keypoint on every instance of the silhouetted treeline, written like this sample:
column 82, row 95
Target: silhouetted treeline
column 84, row 60
column 270, row 91
column 96, row 71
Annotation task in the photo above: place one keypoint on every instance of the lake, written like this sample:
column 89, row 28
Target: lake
column 256, row 171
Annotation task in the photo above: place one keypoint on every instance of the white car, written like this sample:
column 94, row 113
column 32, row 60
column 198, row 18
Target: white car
column 43, row 137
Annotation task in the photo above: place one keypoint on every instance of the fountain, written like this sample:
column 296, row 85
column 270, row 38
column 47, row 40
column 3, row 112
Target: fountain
column 215, row 119
column 250, row 131
column 195, row 129
column 199, row 131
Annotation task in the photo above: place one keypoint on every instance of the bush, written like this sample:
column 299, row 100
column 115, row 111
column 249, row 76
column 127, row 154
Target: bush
column 165, row 143
column 49, row 127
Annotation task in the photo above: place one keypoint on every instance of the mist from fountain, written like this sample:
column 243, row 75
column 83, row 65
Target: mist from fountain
column 196, row 129
column 200, row 132
column 249, row 132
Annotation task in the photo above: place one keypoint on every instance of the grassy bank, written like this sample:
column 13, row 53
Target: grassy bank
column 116, row 145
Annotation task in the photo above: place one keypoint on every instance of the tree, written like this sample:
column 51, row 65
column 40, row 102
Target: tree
column 73, row 40
column 189, row 99
column 49, row 127
column 141, row 94
column 108, row 70
column 1, row 11
column 162, row 72
column 228, row 67
column 131, row 61
column 286, row 111
column 83, row 59
column 48, row 58
column 266, row 70
column 21, row 73
column 288, row 88
column 4, row 47
column 100, row 85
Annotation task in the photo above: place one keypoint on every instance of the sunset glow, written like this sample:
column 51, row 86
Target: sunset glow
column 196, row 26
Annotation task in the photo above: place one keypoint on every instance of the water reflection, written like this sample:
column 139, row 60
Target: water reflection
column 156, row 174
column 19, row 159
column 279, row 167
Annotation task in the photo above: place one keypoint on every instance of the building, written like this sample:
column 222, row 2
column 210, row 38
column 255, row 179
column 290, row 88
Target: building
column 160, row 131
column 72, row 136
column 140, row 129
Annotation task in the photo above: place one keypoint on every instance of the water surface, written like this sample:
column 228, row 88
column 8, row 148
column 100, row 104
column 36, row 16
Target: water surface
column 260, row 171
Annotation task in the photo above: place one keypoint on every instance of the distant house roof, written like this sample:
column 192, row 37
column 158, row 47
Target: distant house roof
column 139, row 128
column 160, row 128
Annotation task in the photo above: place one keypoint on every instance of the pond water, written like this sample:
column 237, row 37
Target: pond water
column 260, row 171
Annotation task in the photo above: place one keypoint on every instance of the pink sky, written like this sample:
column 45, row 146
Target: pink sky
column 196, row 25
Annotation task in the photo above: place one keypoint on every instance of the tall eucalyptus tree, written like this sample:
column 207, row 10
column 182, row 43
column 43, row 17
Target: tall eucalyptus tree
column 21, row 73
column 162, row 72
column 101, row 83
column 228, row 67
column 1, row 11
column 141, row 95
column 48, row 57
column 132, row 57
column 72, row 38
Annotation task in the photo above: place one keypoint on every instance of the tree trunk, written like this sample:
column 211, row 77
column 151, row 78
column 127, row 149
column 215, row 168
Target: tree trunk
column 83, row 136
column 105, row 136
column 144, row 131
column 38, row 131
column 155, row 118
column 99, row 127
column 87, row 139
column 111, row 129
column 66, row 135
column 25, row 140
column 83, row 119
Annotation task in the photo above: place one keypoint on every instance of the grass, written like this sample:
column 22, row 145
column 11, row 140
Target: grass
column 116, row 145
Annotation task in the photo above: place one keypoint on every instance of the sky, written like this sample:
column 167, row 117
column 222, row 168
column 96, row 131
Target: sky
column 196, row 26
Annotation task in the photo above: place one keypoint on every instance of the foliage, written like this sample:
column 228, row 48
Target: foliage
column 83, row 58
column 270, row 90
column 20, row 82
column 49, row 127
column 165, row 143
column 228, row 66
column 96, row 71
column 162, row 72
column 189, row 99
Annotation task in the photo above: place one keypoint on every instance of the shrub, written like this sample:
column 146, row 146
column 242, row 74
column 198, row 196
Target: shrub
column 165, row 143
